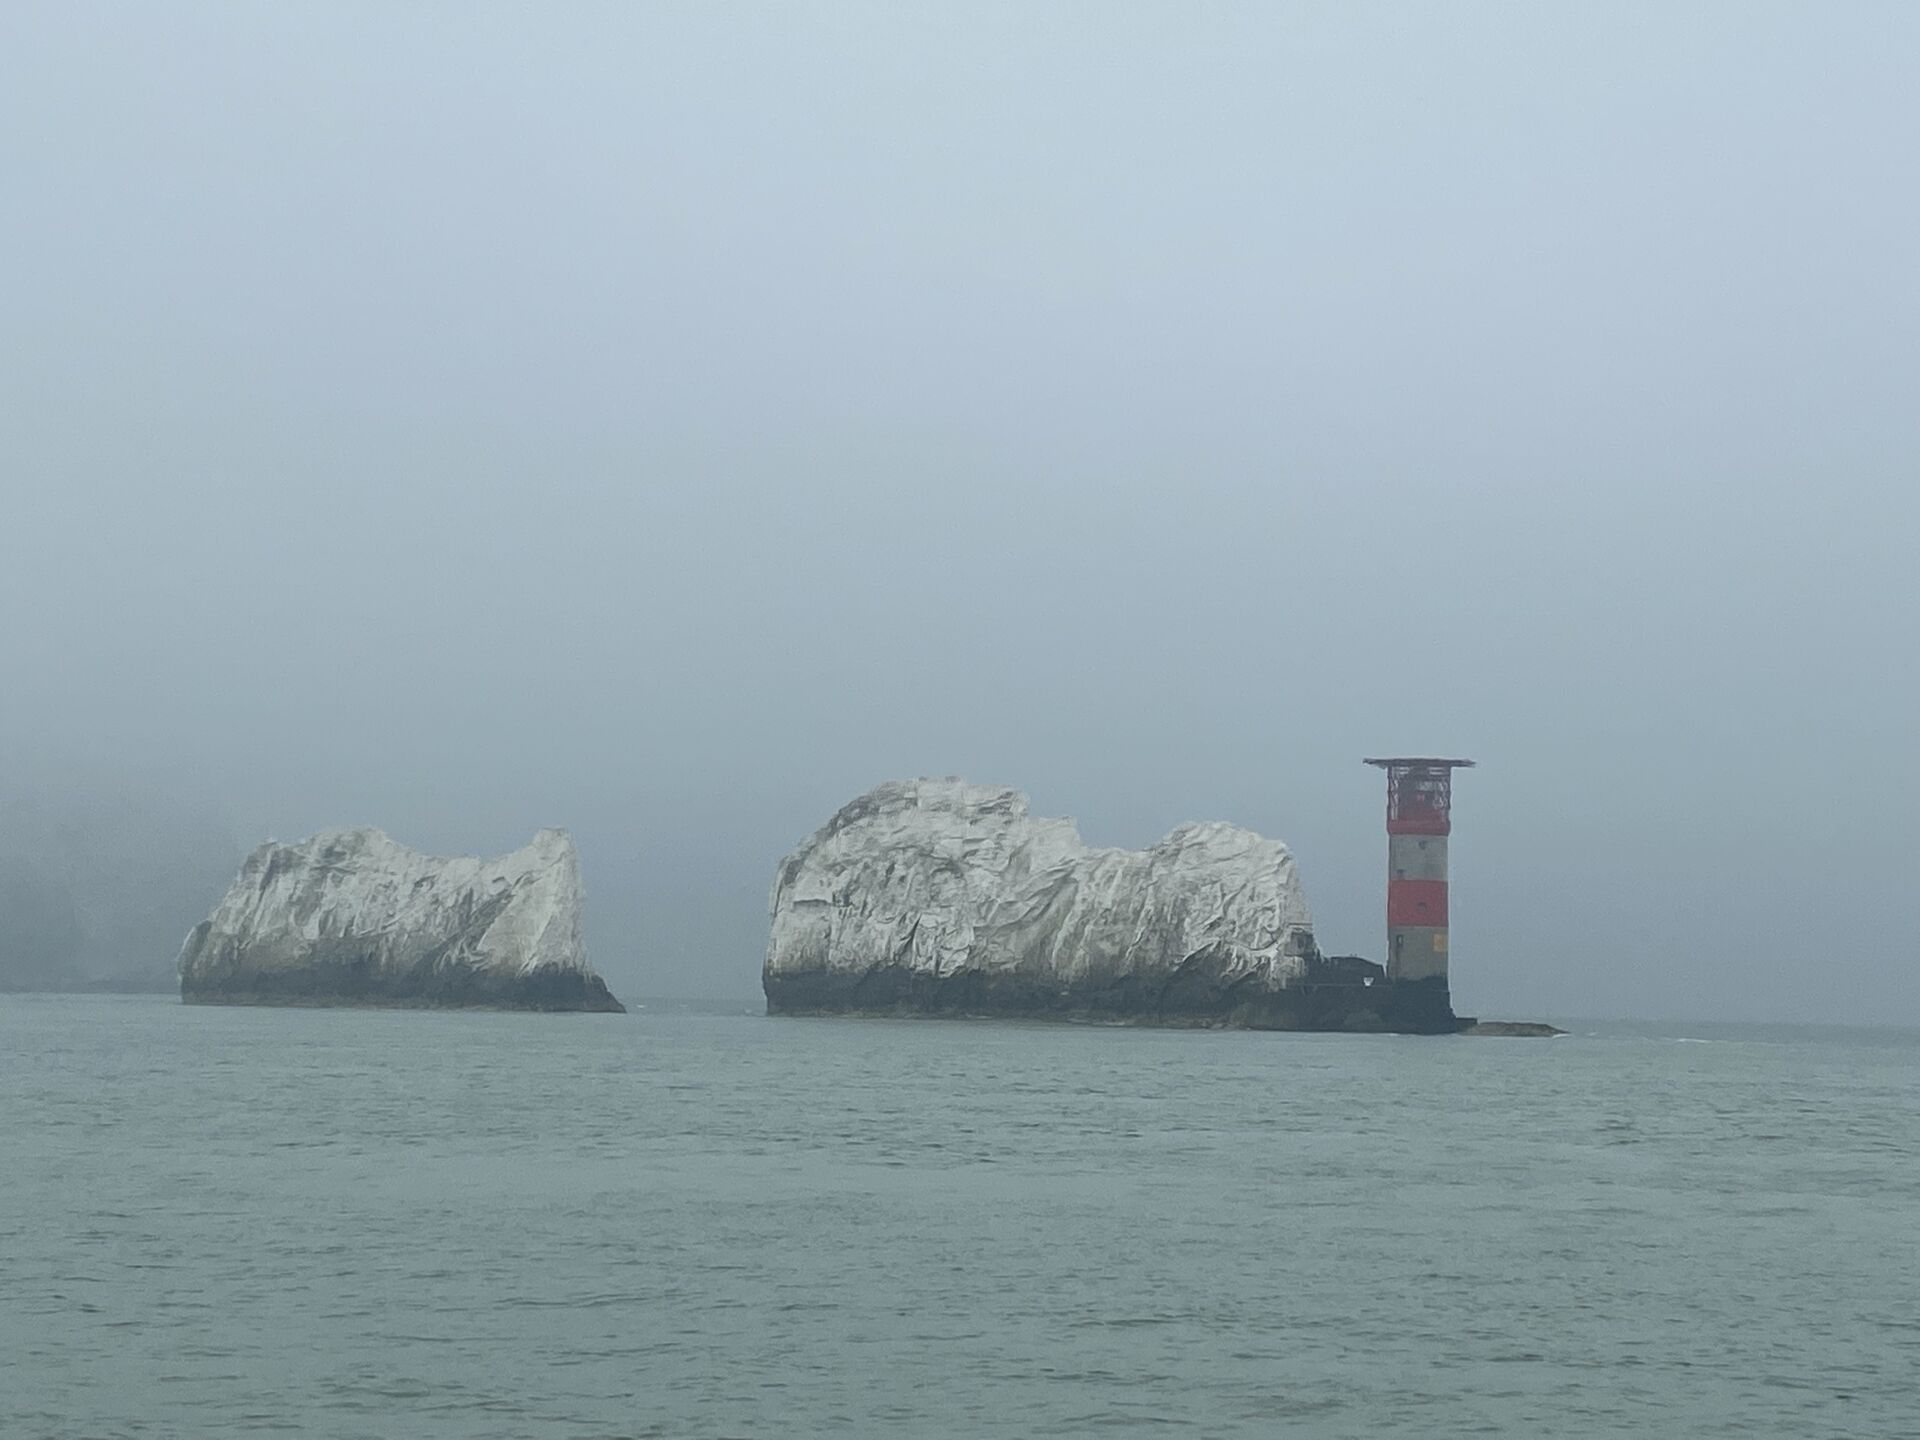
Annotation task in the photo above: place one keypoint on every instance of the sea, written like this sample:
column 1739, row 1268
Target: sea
column 696, row 1220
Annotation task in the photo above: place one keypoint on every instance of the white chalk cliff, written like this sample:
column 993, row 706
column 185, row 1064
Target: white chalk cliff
column 352, row 917
column 936, row 895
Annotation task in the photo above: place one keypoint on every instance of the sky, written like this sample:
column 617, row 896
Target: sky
column 669, row 421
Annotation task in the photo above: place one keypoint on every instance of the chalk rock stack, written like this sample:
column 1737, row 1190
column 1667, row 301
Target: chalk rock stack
column 349, row 917
column 940, row 897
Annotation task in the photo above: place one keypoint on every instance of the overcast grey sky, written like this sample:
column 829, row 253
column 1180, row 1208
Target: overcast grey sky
column 668, row 421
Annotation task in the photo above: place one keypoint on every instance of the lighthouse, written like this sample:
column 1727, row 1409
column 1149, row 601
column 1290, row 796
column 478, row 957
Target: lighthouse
column 1419, row 820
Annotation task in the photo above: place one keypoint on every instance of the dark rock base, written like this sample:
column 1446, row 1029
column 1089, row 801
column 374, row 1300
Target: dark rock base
column 441, row 989
column 1333, row 999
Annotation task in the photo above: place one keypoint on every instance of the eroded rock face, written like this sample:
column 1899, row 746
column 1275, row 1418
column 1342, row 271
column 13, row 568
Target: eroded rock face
column 935, row 896
column 349, row 917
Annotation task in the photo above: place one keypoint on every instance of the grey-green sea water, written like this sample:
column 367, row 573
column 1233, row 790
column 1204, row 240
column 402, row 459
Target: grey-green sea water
column 224, row 1223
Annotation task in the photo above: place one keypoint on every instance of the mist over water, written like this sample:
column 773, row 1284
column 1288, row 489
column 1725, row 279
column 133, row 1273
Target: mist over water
column 224, row 1222
column 668, row 422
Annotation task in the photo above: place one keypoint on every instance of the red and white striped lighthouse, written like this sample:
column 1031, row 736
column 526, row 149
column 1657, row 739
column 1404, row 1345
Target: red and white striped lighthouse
column 1419, row 820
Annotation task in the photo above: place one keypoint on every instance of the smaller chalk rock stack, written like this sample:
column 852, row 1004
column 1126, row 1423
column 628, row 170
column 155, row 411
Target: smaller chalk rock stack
column 939, row 897
column 349, row 917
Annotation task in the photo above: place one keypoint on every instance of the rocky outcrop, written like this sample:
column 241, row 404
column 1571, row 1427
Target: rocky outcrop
column 97, row 878
column 349, row 917
column 939, row 897
column 39, row 930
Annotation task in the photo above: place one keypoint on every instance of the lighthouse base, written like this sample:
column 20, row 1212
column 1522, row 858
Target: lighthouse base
column 1423, row 1007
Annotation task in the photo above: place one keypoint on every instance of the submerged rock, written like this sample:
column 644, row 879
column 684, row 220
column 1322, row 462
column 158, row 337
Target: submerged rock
column 1524, row 1029
column 939, row 897
column 349, row 917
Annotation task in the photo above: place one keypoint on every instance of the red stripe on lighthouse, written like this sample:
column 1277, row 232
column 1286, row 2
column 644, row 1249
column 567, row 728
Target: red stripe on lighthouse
column 1416, row 902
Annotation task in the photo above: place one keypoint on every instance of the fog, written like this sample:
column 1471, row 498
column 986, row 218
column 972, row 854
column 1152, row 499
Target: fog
column 667, row 422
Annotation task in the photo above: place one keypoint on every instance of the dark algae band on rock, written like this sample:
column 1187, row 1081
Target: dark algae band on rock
column 935, row 897
column 351, row 918
column 1318, row 1003
column 445, row 988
